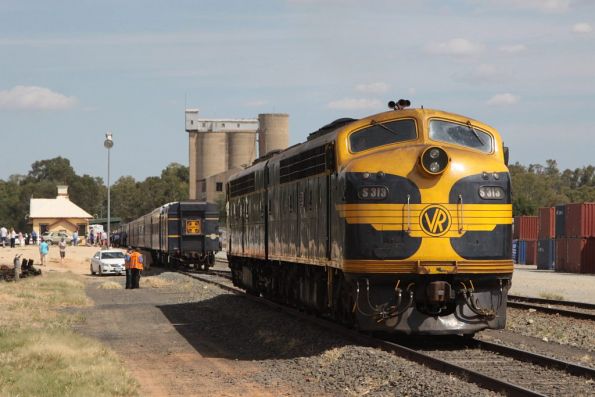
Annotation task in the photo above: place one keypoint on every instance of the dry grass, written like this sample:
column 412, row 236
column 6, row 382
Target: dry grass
column 39, row 353
column 110, row 285
column 155, row 282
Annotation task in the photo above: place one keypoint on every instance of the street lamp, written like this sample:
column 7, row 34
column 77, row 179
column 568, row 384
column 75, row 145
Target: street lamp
column 108, row 144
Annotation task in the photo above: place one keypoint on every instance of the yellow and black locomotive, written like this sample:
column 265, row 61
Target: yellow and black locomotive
column 398, row 222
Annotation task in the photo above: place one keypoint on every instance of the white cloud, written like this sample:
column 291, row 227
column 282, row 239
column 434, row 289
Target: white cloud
column 355, row 104
column 513, row 48
column 35, row 98
column 373, row 88
column 255, row 103
column 484, row 73
column 503, row 100
column 456, row 47
column 582, row 27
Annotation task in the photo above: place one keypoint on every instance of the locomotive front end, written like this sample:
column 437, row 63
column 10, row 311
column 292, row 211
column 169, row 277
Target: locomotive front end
column 425, row 215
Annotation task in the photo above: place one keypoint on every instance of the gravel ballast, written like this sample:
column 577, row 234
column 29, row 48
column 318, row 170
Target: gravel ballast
column 278, row 353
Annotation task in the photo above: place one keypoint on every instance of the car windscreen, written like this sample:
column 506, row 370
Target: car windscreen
column 380, row 134
column 112, row 255
column 461, row 134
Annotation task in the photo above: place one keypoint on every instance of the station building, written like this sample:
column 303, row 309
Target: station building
column 59, row 214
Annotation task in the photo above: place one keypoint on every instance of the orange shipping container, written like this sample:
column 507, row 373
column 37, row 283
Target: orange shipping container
column 581, row 255
column 531, row 258
column 547, row 223
column 526, row 228
column 580, row 220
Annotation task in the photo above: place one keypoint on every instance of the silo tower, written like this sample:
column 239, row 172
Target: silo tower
column 273, row 132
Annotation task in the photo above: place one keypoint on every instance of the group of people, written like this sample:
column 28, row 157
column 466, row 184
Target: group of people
column 12, row 238
column 133, row 263
column 98, row 238
column 44, row 250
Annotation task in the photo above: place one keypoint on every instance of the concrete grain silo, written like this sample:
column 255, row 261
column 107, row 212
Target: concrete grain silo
column 273, row 132
column 241, row 148
column 211, row 153
column 217, row 146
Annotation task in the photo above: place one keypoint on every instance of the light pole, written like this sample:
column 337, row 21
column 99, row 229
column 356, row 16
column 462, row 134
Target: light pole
column 108, row 144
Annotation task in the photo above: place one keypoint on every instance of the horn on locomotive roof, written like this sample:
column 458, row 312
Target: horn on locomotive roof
column 400, row 104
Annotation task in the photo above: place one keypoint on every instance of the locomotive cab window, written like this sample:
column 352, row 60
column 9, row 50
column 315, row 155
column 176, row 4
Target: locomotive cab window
column 380, row 134
column 461, row 134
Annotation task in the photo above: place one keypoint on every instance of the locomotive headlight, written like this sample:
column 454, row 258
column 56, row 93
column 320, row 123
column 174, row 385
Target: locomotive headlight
column 434, row 160
column 373, row 192
column 491, row 192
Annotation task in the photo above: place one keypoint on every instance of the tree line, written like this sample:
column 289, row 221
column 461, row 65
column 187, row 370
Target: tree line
column 129, row 198
column 534, row 186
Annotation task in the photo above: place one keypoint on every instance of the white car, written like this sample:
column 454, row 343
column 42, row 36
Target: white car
column 108, row 262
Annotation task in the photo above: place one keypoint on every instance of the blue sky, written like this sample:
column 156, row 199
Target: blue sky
column 72, row 70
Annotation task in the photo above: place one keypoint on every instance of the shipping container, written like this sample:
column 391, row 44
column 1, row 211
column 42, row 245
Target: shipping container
column 547, row 223
column 580, row 220
column 531, row 258
column 515, row 251
column 561, row 254
column 522, row 252
column 526, row 228
column 560, row 221
column 546, row 254
column 581, row 255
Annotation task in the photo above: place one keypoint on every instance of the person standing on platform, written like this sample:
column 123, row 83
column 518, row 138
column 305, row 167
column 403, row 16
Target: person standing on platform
column 136, row 267
column 128, row 269
column 34, row 237
column 62, row 246
column 13, row 237
column 3, row 234
column 44, row 249
column 75, row 238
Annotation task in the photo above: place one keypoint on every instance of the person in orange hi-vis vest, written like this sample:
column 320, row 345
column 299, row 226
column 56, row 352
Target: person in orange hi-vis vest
column 136, row 267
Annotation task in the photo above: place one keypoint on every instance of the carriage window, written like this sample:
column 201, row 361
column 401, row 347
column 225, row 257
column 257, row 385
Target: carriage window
column 380, row 134
column 461, row 134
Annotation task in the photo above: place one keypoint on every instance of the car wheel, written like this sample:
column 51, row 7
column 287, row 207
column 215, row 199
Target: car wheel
column 100, row 271
column 92, row 271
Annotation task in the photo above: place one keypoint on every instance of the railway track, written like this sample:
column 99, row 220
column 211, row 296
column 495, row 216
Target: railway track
column 492, row 366
column 579, row 310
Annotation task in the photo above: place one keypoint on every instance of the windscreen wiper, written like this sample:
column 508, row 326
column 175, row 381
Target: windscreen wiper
column 474, row 132
column 374, row 122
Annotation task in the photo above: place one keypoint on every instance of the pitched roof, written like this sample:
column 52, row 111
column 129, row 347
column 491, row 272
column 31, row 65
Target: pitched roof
column 60, row 207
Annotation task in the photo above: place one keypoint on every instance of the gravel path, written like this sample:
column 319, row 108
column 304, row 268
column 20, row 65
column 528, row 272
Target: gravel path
column 185, row 337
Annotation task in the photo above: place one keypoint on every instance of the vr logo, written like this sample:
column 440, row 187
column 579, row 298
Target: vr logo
column 435, row 220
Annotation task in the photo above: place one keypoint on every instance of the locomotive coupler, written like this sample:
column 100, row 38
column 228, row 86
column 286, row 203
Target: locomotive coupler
column 438, row 292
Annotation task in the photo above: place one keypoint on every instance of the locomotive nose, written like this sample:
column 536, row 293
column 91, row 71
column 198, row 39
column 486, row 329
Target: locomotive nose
column 434, row 160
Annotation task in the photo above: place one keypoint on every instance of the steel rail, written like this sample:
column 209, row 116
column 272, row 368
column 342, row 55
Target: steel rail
column 553, row 310
column 537, row 359
column 528, row 299
column 419, row 357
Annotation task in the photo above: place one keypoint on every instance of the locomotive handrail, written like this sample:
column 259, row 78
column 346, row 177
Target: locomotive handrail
column 462, row 217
